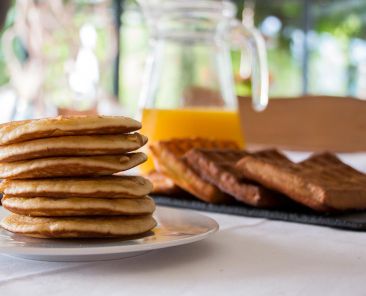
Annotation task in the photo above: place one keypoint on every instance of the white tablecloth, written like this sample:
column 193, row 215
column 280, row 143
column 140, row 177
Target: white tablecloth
column 246, row 257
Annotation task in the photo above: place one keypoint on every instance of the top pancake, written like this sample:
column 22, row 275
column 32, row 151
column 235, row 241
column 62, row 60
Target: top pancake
column 19, row 131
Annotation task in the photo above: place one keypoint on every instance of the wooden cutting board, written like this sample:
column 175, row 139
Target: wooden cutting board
column 309, row 123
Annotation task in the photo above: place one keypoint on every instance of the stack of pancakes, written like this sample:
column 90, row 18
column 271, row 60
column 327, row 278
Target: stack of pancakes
column 60, row 177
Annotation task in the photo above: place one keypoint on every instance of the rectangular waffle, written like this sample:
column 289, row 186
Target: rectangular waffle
column 321, row 182
column 217, row 166
column 168, row 159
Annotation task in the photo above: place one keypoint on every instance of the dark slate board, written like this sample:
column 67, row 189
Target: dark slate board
column 351, row 221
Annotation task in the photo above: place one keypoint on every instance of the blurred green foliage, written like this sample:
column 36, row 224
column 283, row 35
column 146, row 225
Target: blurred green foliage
column 344, row 20
column 4, row 76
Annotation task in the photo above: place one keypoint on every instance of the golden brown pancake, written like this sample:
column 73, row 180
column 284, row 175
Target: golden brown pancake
column 19, row 131
column 74, row 227
column 70, row 166
column 72, row 146
column 104, row 187
column 78, row 206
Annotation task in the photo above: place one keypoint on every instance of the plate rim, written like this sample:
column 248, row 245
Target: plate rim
column 110, row 250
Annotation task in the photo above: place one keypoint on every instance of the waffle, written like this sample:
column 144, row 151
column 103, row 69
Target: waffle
column 72, row 146
column 168, row 159
column 162, row 184
column 19, row 131
column 77, row 206
column 321, row 182
column 70, row 166
column 343, row 187
column 104, row 187
column 75, row 227
column 217, row 166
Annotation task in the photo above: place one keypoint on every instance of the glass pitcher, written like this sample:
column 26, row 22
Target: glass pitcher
column 188, row 85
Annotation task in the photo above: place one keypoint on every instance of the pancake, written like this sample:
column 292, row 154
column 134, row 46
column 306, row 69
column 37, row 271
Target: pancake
column 78, row 206
column 19, row 131
column 74, row 227
column 70, row 166
column 104, row 187
column 73, row 146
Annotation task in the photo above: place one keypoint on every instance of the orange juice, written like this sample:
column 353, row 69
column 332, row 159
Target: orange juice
column 165, row 124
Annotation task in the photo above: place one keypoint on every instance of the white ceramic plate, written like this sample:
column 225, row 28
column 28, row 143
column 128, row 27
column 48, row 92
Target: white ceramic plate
column 175, row 227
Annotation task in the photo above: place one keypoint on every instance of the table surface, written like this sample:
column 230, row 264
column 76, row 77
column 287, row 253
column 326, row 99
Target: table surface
column 247, row 256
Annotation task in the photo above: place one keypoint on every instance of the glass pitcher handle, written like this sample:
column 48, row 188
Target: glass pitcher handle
column 251, row 38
